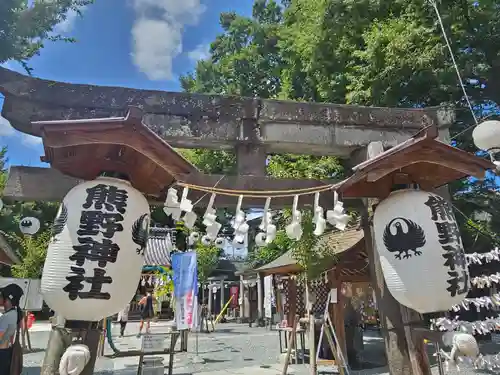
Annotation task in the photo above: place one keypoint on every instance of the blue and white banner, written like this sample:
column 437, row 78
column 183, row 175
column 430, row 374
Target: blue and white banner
column 185, row 289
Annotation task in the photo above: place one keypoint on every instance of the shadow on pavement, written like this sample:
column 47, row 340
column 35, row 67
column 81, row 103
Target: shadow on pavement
column 210, row 360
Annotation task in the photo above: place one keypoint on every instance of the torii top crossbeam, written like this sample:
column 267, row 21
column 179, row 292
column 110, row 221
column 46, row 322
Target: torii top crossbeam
column 81, row 139
column 217, row 122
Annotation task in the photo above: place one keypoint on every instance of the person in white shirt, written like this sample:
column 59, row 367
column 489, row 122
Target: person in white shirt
column 10, row 297
column 123, row 318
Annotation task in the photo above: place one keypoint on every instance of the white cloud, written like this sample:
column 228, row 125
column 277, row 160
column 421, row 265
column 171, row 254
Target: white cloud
column 200, row 52
column 30, row 140
column 67, row 25
column 6, row 130
column 157, row 33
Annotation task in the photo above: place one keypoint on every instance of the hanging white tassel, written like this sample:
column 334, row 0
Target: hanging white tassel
column 319, row 217
column 294, row 229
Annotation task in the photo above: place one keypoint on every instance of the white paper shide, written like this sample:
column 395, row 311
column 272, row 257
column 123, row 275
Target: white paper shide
column 96, row 253
column 421, row 252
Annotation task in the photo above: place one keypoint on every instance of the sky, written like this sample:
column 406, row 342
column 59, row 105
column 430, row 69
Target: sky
column 144, row 44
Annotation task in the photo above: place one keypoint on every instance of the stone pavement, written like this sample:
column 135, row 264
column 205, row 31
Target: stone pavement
column 234, row 349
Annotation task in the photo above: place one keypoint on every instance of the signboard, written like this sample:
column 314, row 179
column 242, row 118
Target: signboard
column 32, row 299
column 185, row 289
column 152, row 343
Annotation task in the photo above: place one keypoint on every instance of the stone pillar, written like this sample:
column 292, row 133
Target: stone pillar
column 246, row 301
column 222, row 296
column 260, row 299
column 241, row 300
column 405, row 354
column 210, row 298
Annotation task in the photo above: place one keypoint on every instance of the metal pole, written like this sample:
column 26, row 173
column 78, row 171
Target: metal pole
column 439, row 358
column 196, row 343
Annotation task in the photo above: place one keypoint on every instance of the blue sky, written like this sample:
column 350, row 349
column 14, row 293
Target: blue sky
column 133, row 43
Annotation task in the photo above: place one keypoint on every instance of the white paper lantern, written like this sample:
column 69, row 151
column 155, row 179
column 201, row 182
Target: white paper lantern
column 95, row 257
column 421, row 252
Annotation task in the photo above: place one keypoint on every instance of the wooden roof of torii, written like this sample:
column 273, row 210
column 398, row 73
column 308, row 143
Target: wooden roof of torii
column 422, row 160
column 85, row 148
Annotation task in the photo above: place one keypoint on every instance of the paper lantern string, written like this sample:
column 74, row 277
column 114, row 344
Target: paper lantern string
column 488, row 362
column 479, row 326
column 485, row 281
column 479, row 302
column 482, row 258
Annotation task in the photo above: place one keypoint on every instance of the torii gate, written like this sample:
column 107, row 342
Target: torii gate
column 252, row 128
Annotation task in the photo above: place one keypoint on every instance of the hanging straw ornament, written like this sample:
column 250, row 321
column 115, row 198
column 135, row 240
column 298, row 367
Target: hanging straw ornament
column 337, row 217
column 172, row 206
column 319, row 217
column 210, row 220
column 240, row 225
column 294, row 229
column 268, row 233
column 186, row 205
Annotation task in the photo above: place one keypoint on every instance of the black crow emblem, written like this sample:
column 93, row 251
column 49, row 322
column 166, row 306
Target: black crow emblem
column 403, row 242
column 59, row 221
column 140, row 232
column 26, row 223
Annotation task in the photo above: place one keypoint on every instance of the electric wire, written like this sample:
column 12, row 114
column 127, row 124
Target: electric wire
column 452, row 55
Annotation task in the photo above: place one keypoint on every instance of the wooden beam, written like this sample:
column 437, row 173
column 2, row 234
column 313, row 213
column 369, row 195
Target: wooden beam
column 403, row 356
column 34, row 183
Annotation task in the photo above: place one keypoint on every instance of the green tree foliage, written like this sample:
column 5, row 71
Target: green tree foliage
column 26, row 26
column 33, row 251
column 3, row 169
column 246, row 60
column 207, row 260
column 367, row 52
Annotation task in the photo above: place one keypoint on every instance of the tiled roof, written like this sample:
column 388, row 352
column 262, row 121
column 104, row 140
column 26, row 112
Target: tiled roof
column 338, row 241
column 160, row 246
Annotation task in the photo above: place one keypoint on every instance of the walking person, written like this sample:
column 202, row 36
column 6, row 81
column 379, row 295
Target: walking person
column 11, row 353
column 123, row 319
column 147, row 312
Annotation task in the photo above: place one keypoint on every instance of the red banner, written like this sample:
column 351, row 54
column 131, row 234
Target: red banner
column 234, row 293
